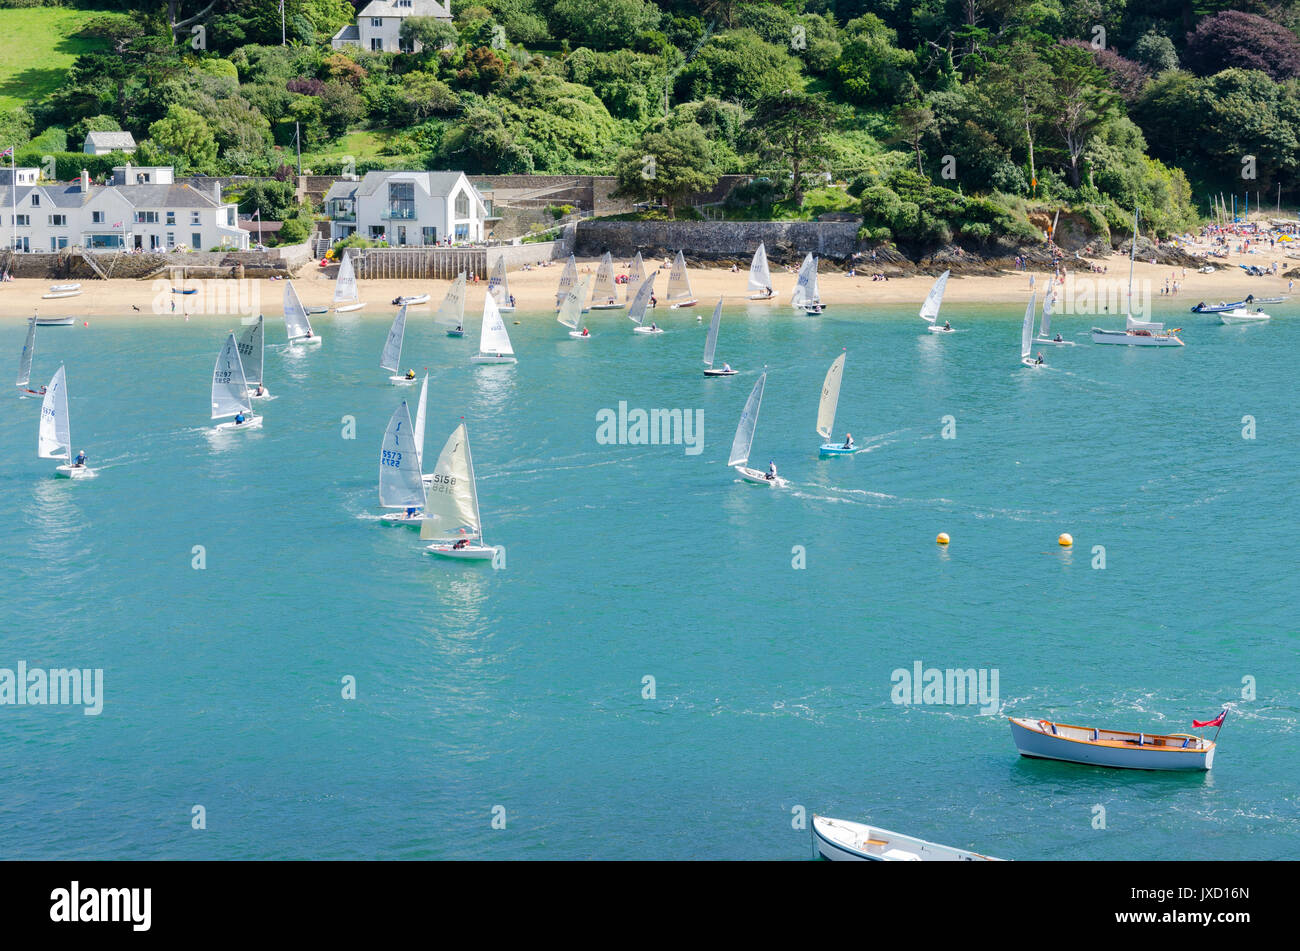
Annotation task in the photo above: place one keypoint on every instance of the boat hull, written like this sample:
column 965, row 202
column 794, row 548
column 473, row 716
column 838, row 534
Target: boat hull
column 940, row 330
column 685, row 303
column 412, row 301
column 1232, row 320
column 837, row 449
column 401, row 518
column 712, row 372
column 579, row 335
column 347, row 308
column 647, row 330
column 455, row 333
column 1032, row 741
column 74, row 472
column 54, row 321
column 468, row 553
column 59, row 295
column 1032, row 364
column 1040, row 342
column 402, row 381
column 754, row 477
column 1125, row 339
column 607, row 306
column 264, row 395
column 314, row 339
column 485, row 359
column 253, row 422
column 842, row 841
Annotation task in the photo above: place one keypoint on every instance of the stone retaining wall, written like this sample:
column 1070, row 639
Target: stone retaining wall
column 787, row 241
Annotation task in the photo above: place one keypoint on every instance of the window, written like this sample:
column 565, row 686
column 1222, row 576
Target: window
column 146, row 217
column 24, row 220
column 171, row 240
column 376, row 44
column 462, row 232
column 196, row 241
column 462, row 205
column 58, row 243
column 401, row 200
column 97, row 217
column 194, row 218
column 59, row 221
column 376, row 22
column 430, row 235
column 171, row 218
column 36, row 200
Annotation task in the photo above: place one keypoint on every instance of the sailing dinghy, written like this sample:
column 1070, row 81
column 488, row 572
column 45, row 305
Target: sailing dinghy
column 760, row 275
column 54, row 439
column 568, row 280
column 451, row 312
column 842, row 840
column 401, row 484
column 933, row 301
column 570, row 314
column 1027, row 335
column 391, row 359
column 296, row 325
column 252, row 354
column 1136, row 333
column 679, row 284
column 1045, row 325
column 711, row 344
column 25, row 363
column 230, row 391
column 604, row 295
column 493, row 342
column 635, row 276
column 499, row 286
column 636, row 312
column 345, row 288
column 744, row 441
column 806, row 296
column 452, row 517
column 826, row 407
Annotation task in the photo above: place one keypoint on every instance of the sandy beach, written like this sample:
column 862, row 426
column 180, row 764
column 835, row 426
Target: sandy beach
column 534, row 289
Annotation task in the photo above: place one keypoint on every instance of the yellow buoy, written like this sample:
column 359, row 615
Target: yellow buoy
column 943, row 538
column 1066, row 540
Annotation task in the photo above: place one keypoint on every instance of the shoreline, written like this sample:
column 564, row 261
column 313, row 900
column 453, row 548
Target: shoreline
column 534, row 290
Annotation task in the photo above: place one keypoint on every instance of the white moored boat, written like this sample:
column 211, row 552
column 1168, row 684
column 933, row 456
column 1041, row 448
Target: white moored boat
column 55, row 321
column 391, row 358
column 679, row 285
column 570, row 314
column 451, row 312
column 744, row 441
column 57, row 291
column 54, row 438
column 1027, row 336
column 604, row 294
column 1044, row 739
column 25, row 363
column 454, row 521
column 1136, row 333
column 493, row 342
column 636, row 312
column 401, row 484
column 230, row 391
column 826, row 407
column 252, row 356
column 711, row 344
column 806, row 296
column 410, row 300
column 499, row 286
column 760, row 275
column 933, row 301
column 1045, row 325
column 345, row 287
column 296, row 325
column 1240, row 315
column 842, row 840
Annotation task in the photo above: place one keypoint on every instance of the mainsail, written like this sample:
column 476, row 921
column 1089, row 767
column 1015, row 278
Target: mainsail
column 1045, row 326
column 760, row 275
column 934, row 299
column 571, row 310
column 400, row 482
column 54, row 440
column 679, row 282
column 636, row 311
column 711, row 341
column 345, row 286
column 392, row 355
column 1027, row 328
column 493, row 339
column 635, row 275
column 252, row 349
column 451, row 312
column 296, row 324
column 451, row 507
column 498, row 286
column 229, row 387
column 748, row 421
column 830, row 398
column 419, row 418
column 805, row 286
column 603, row 289
column 29, row 351
column 567, row 279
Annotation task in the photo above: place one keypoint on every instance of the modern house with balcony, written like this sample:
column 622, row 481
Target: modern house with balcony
column 379, row 24
column 407, row 209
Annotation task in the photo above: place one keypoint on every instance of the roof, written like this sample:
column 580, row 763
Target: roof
column 260, row 227
column 418, row 8
column 437, row 184
column 111, row 140
column 349, row 32
column 165, row 196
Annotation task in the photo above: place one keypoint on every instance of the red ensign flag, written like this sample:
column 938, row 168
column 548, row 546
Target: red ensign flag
column 1217, row 721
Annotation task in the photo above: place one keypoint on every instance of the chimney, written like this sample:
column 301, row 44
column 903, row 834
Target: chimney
column 216, row 192
column 85, row 182
column 126, row 174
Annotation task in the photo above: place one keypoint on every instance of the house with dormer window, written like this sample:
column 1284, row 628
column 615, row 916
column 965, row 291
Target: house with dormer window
column 407, row 209
column 379, row 24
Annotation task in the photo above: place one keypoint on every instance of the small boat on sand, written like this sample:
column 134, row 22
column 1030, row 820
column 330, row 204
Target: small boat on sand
column 1044, row 739
column 841, row 840
column 54, row 322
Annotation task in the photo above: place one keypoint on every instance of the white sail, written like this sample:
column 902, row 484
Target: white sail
column 934, row 299
column 760, row 275
column 711, row 341
column 419, row 419
column 1130, row 322
column 1027, row 328
column 451, row 312
column 805, row 285
column 229, row 387
column 1045, row 325
column 252, row 350
column 748, row 421
column 498, row 286
column 345, row 286
column 636, row 311
column 568, row 278
column 635, row 276
column 830, row 398
column 679, row 282
column 493, row 339
column 296, row 324
column 55, row 438
column 570, row 314
column 400, row 483
column 29, row 351
column 392, row 355
column 603, row 289
column 451, row 507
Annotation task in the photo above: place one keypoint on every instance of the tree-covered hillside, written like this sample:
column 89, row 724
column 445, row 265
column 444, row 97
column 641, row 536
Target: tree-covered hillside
column 947, row 119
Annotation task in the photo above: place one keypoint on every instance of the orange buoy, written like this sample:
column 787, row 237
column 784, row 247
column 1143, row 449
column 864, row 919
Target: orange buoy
column 942, row 539
column 1066, row 540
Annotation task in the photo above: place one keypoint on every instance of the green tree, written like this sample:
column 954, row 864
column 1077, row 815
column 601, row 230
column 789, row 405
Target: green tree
column 603, row 24
column 429, row 32
column 1079, row 101
column 793, row 128
column 668, row 165
column 913, row 121
column 184, row 134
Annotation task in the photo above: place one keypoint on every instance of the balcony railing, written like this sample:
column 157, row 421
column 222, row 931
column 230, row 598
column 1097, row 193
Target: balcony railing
column 398, row 214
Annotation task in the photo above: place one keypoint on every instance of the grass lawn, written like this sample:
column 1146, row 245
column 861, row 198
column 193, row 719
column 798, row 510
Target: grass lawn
column 36, row 49
column 362, row 145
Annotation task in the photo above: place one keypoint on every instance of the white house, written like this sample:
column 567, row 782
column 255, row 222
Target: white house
column 407, row 208
column 379, row 24
column 101, row 143
column 143, row 209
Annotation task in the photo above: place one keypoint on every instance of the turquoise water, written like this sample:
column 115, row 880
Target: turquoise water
column 523, row 687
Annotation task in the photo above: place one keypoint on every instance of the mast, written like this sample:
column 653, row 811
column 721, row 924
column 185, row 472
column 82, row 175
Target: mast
column 1132, row 252
column 473, row 483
